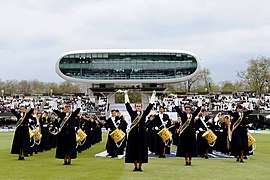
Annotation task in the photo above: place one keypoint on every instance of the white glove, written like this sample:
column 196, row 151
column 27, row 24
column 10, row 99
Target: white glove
column 156, row 128
column 200, row 129
column 250, row 125
column 197, row 132
column 153, row 98
column 126, row 96
column 221, row 130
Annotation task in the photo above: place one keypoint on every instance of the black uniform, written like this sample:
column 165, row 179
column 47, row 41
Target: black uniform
column 160, row 145
column 111, row 146
column 136, row 143
column 66, row 144
column 21, row 138
column 202, row 144
column 239, row 139
column 187, row 141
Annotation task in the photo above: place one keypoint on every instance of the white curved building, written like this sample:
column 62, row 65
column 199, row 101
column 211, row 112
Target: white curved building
column 127, row 66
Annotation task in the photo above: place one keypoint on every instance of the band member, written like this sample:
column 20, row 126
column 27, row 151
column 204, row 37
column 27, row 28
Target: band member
column 225, row 143
column 115, row 122
column 21, row 138
column 161, row 121
column 45, row 140
column 34, row 126
column 239, row 139
column 202, row 126
column 187, row 134
column 66, row 144
column 151, row 133
column 137, row 151
column 175, row 130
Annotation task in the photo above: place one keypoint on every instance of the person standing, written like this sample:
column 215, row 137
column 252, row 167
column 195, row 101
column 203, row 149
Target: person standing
column 187, row 134
column 21, row 140
column 115, row 122
column 162, row 120
column 239, row 138
column 202, row 126
column 66, row 144
column 137, row 150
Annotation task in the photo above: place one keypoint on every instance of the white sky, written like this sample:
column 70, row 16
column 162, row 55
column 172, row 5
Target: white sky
column 224, row 34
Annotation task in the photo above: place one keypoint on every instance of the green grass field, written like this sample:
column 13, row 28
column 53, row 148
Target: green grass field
column 86, row 166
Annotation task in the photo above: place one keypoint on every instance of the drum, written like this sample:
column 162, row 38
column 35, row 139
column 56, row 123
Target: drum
column 31, row 133
column 37, row 136
column 117, row 135
column 209, row 136
column 165, row 134
column 251, row 139
column 80, row 135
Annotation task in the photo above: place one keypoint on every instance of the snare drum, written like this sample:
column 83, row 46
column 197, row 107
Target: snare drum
column 117, row 135
column 251, row 139
column 37, row 136
column 31, row 133
column 209, row 136
column 80, row 135
column 165, row 134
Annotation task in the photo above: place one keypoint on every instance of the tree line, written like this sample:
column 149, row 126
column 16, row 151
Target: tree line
column 37, row 87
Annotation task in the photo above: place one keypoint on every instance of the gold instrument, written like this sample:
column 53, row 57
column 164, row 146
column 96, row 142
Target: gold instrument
column 251, row 139
column 210, row 136
column 31, row 133
column 80, row 137
column 251, row 142
column 35, row 136
column 165, row 134
column 55, row 130
column 117, row 135
column 185, row 125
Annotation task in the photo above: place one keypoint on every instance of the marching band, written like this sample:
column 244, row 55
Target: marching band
column 194, row 133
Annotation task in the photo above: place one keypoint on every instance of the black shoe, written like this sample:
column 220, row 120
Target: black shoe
column 187, row 163
column 206, row 157
column 241, row 161
column 135, row 169
column 20, row 158
column 69, row 162
column 65, row 163
column 245, row 157
column 140, row 169
column 237, row 160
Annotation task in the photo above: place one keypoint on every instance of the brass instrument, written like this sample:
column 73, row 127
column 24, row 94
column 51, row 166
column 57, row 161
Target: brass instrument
column 184, row 126
column 55, row 130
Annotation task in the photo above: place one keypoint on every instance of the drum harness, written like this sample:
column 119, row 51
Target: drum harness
column 116, row 127
column 202, row 120
column 168, row 142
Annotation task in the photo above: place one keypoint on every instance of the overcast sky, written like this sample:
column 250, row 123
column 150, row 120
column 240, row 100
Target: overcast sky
column 224, row 34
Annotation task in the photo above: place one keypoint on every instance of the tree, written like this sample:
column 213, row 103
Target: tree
column 227, row 86
column 202, row 81
column 257, row 74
